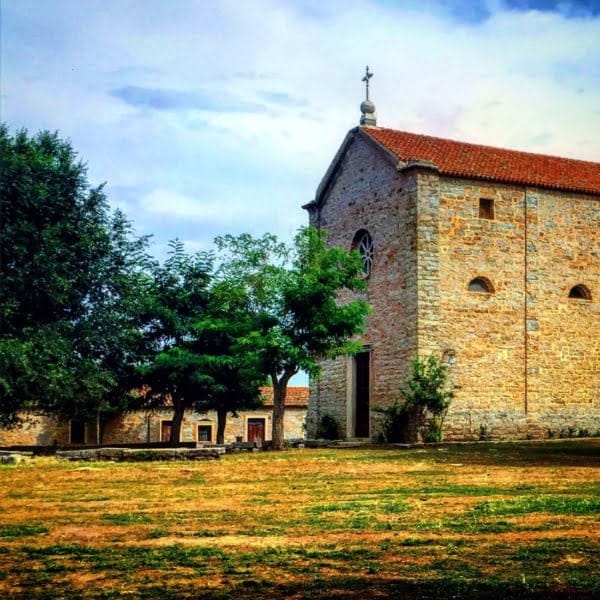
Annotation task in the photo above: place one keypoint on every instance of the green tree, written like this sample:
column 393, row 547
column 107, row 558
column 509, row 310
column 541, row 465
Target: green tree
column 293, row 300
column 173, row 371
column 195, row 325
column 233, row 372
column 72, row 278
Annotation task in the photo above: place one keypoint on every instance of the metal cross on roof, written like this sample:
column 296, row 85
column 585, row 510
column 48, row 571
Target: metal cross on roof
column 366, row 78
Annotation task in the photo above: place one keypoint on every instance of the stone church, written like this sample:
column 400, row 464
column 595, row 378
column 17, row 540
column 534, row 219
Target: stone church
column 486, row 257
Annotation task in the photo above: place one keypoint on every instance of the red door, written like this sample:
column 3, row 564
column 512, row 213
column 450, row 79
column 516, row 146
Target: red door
column 165, row 431
column 256, row 431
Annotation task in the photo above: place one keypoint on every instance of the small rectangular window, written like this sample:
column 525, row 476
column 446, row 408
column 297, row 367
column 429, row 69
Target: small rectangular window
column 486, row 208
column 205, row 433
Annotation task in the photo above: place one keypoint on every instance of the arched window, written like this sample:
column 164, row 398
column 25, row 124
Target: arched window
column 363, row 242
column 580, row 292
column 481, row 285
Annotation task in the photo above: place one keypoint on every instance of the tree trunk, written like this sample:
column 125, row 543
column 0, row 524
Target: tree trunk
column 177, row 420
column 221, row 422
column 279, row 394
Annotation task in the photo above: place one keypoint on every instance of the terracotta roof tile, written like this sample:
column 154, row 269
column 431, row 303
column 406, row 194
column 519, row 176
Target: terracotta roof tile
column 487, row 162
column 296, row 396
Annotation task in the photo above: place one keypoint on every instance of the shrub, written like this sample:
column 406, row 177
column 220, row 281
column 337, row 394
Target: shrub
column 484, row 434
column 426, row 402
column 434, row 428
column 396, row 423
column 328, row 428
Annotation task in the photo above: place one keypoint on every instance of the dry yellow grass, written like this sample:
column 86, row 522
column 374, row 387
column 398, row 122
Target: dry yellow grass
column 463, row 521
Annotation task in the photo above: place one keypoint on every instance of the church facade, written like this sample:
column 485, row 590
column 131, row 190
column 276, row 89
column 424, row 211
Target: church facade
column 487, row 258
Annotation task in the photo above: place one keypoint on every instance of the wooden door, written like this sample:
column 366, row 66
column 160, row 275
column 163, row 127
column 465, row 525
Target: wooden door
column 256, row 431
column 165, row 431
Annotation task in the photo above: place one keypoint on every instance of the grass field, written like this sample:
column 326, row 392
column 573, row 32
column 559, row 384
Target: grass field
column 469, row 521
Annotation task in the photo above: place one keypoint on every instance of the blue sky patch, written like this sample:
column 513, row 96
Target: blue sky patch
column 163, row 99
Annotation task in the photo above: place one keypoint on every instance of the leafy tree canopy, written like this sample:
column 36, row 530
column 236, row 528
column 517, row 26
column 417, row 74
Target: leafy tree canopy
column 195, row 324
column 234, row 370
column 72, row 283
column 294, row 299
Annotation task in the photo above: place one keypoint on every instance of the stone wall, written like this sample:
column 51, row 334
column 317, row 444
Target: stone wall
column 484, row 332
column 525, row 358
column 563, row 354
column 36, row 430
column 368, row 193
column 145, row 426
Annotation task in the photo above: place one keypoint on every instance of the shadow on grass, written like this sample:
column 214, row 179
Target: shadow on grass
column 340, row 588
column 571, row 453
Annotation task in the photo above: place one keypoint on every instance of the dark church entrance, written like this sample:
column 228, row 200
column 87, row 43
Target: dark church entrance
column 361, row 395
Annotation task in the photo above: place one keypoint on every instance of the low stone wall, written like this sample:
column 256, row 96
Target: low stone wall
column 141, row 455
column 14, row 458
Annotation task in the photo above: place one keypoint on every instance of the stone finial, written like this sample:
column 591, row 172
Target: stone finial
column 367, row 108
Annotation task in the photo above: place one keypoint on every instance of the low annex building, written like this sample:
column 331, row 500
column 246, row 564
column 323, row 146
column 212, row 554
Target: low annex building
column 148, row 426
column 486, row 257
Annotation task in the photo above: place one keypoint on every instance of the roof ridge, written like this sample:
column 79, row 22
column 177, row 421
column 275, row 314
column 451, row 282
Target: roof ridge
column 490, row 163
column 477, row 145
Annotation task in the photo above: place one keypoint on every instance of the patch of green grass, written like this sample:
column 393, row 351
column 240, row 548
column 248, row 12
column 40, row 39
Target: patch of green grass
column 19, row 530
column 259, row 531
column 451, row 489
column 469, row 524
column 127, row 518
column 589, row 487
column 476, row 522
column 532, row 504
column 17, row 495
column 362, row 513
column 128, row 559
column 212, row 533
column 291, row 556
column 553, row 550
column 412, row 541
column 158, row 532
column 192, row 479
column 473, row 490
column 92, row 498
column 457, row 567
column 260, row 501
column 473, row 526
column 360, row 505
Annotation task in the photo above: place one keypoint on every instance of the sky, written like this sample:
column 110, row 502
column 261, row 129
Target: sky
column 211, row 117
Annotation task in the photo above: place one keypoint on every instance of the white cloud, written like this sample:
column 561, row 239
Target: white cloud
column 520, row 78
column 163, row 202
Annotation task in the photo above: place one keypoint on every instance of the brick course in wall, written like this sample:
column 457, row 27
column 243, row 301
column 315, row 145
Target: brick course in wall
column 525, row 357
